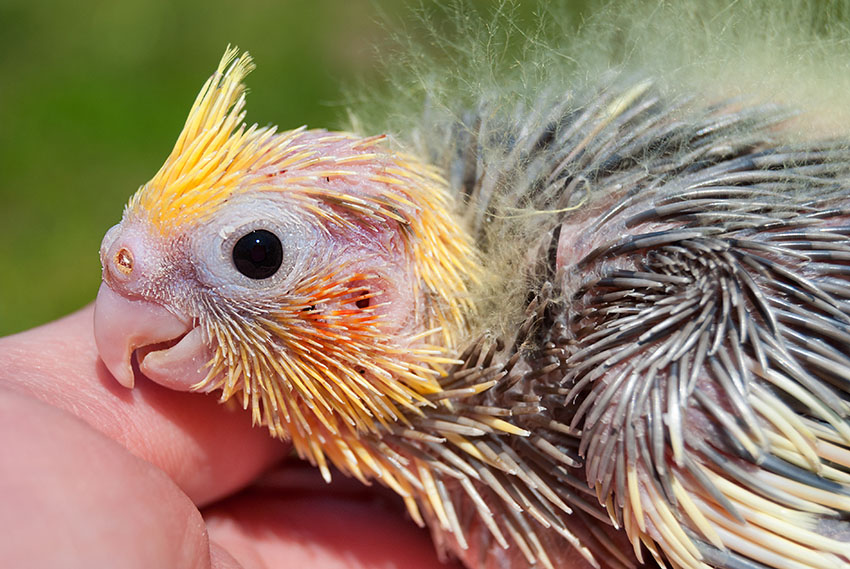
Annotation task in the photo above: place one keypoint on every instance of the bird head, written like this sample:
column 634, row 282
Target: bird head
column 319, row 276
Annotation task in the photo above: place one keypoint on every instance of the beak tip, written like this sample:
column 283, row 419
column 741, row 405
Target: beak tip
column 123, row 325
column 125, row 376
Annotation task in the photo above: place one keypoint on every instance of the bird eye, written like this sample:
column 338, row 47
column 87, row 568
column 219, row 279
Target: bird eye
column 258, row 255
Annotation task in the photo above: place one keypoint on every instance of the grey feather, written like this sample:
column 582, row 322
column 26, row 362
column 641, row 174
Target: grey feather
column 684, row 335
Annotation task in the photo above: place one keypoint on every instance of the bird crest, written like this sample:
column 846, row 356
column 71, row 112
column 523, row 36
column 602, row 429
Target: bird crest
column 342, row 180
column 212, row 154
column 217, row 156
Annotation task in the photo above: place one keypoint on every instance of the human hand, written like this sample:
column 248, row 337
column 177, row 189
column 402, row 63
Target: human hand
column 95, row 475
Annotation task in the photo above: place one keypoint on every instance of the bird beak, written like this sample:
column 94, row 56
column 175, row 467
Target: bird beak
column 168, row 348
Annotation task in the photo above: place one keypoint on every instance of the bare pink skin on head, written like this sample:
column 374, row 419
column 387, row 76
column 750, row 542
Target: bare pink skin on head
column 327, row 196
column 144, row 306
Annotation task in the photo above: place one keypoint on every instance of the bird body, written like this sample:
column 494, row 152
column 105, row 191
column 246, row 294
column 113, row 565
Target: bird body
column 607, row 330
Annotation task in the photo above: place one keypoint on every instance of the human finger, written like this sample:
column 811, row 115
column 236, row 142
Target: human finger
column 74, row 498
column 292, row 518
column 208, row 449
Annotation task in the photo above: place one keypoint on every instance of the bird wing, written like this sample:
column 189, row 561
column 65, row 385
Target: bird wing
column 683, row 271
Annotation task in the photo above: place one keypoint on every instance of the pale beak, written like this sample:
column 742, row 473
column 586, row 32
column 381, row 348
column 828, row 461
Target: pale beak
column 168, row 347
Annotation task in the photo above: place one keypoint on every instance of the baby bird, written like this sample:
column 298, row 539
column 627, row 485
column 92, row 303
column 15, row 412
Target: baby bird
column 611, row 330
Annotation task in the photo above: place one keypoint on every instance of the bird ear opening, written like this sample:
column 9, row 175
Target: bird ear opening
column 366, row 292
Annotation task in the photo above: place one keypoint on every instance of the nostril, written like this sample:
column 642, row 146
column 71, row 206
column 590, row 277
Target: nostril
column 124, row 261
column 362, row 303
column 119, row 265
column 116, row 256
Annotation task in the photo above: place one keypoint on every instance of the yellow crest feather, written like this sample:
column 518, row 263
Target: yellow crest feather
column 322, row 379
column 212, row 154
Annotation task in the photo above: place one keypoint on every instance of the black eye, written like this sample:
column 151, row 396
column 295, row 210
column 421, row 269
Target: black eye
column 258, row 255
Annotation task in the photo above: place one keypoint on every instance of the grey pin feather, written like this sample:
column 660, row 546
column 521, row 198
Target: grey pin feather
column 683, row 343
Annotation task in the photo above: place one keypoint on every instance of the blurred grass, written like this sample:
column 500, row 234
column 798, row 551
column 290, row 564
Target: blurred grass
column 93, row 94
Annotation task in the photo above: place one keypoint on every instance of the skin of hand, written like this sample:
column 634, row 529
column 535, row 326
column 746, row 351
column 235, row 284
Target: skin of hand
column 95, row 475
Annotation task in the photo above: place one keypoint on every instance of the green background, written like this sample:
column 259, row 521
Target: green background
column 94, row 92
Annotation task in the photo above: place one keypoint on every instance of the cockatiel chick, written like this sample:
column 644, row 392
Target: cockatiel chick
column 611, row 330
